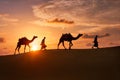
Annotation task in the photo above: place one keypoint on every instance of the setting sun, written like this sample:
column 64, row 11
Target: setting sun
column 34, row 48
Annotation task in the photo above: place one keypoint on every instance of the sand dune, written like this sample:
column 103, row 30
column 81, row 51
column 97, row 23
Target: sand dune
column 76, row 64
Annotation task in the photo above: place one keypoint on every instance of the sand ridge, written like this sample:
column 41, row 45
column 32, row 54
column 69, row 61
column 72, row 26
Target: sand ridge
column 76, row 64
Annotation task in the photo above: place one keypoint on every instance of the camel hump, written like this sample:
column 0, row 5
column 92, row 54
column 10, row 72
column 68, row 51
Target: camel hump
column 22, row 39
column 64, row 35
column 67, row 34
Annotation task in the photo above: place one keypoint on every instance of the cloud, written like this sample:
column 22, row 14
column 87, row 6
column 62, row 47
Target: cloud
column 92, row 36
column 56, row 20
column 89, row 11
column 104, row 11
column 57, row 8
column 114, row 43
column 89, row 44
column 5, row 51
column 105, row 35
column 6, row 18
column 65, row 11
column 3, row 15
column 2, row 25
column 2, row 40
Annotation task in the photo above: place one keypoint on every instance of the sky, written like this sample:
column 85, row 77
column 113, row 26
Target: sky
column 51, row 18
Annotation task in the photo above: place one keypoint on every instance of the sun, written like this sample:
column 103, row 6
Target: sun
column 34, row 48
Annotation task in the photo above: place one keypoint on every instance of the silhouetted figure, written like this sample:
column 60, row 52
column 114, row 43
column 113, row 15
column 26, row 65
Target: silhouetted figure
column 68, row 37
column 95, row 42
column 43, row 45
column 24, row 41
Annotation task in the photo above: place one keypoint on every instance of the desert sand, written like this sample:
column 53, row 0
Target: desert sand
column 75, row 64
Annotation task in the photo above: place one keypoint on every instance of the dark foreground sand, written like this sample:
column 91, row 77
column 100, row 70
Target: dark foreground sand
column 77, row 64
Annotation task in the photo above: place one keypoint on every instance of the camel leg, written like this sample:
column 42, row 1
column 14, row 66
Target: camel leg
column 29, row 48
column 24, row 48
column 58, row 44
column 63, row 44
column 19, row 49
column 15, row 50
column 70, row 44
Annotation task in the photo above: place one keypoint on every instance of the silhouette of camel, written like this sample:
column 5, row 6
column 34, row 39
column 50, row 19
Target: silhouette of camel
column 68, row 37
column 24, row 41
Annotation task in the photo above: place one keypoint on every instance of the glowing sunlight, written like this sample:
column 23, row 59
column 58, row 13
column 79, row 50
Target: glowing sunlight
column 34, row 47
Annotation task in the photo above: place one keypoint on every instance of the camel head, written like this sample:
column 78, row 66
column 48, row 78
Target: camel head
column 80, row 35
column 35, row 37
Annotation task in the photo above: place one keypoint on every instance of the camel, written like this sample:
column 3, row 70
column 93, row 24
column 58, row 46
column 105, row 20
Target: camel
column 24, row 41
column 68, row 37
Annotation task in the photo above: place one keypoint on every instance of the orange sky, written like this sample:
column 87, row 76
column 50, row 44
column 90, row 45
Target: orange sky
column 51, row 18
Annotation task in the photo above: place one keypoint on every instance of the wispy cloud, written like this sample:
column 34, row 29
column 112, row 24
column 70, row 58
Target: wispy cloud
column 7, row 18
column 92, row 36
column 58, row 8
column 89, row 44
column 98, row 11
column 56, row 20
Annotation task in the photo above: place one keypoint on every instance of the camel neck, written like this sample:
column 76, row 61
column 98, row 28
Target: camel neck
column 32, row 40
column 74, row 38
